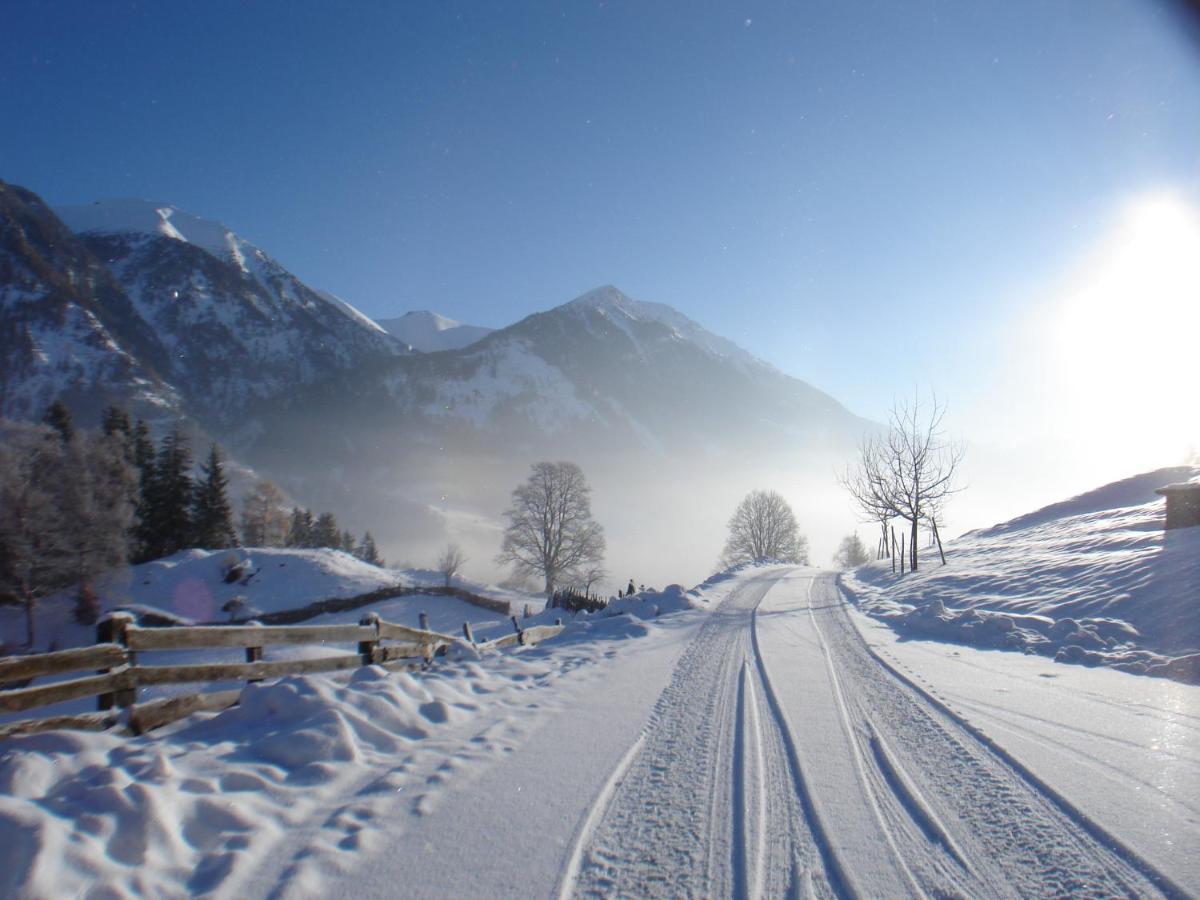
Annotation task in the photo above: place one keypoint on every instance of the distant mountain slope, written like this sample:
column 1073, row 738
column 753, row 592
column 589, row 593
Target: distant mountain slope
column 235, row 328
column 67, row 328
column 604, row 368
column 429, row 332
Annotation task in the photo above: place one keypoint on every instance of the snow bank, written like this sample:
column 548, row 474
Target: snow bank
column 306, row 772
column 1093, row 580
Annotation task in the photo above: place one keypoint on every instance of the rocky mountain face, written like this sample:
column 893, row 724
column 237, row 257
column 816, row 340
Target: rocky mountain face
column 134, row 302
column 67, row 328
column 236, row 328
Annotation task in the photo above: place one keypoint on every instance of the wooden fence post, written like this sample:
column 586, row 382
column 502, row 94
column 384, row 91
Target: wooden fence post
column 112, row 631
column 366, row 649
column 519, row 630
column 468, row 633
column 426, row 648
column 937, row 537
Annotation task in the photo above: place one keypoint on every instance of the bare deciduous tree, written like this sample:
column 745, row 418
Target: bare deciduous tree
column 763, row 527
column 907, row 473
column 264, row 516
column 450, row 562
column 551, row 532
column 591, row 576
column 66, row 508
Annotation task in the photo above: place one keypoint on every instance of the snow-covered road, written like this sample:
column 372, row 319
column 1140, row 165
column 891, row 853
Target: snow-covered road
column 784, row 758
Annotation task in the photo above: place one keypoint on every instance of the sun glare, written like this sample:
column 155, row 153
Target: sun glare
column 1125, row 344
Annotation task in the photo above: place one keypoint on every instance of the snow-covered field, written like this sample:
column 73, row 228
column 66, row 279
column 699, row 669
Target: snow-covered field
column 190, row 586
column 1124, row 749
column 1093, row 580
column 741, row 738
column 308, row 777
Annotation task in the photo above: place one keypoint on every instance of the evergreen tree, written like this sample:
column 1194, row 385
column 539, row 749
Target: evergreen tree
column 58, row 417
column 326, row 533
column 212, row 518
column 115, row 421
column 143, row 460
column 300, row 532
column 347, row 543
column 168, row 527
column 367, row 551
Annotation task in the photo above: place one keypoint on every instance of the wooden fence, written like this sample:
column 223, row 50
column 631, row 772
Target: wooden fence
column 118, row 673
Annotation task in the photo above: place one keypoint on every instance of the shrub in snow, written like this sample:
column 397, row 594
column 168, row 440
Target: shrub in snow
column 87, row 605
column 574, row 600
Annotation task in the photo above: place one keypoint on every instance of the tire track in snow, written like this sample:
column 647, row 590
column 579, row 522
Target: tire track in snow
column 707, row 805
column 1020, row 835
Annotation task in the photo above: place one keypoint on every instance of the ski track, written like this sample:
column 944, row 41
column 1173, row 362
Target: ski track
column 784, row 759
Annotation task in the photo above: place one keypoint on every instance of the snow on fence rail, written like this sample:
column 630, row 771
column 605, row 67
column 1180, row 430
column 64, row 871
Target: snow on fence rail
column 119, row 674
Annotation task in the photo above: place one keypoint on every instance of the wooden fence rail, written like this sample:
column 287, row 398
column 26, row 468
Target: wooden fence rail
column 116, row 671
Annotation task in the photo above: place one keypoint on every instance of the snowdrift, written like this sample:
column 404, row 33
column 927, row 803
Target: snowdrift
column 1092, row 580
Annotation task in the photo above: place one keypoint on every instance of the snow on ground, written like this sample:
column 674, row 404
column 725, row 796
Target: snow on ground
column 310, row 777
column 191, row 586
column 1124, row 750
column 1093, row 580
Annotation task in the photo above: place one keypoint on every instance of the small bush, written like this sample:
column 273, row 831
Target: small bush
column 574, row 600
column 87, row 605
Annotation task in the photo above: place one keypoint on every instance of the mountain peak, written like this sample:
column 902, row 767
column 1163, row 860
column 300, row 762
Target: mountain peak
column 610, row 302
column 428, row 331
column 132, row 215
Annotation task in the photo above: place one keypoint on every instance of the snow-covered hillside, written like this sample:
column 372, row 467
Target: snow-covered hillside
column 430, row 332
column 1093, row 580
column 191, row 586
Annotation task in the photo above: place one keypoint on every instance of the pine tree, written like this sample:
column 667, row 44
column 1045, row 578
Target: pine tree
column 143, row 460
column 168, row 526
column 212, row 518
column 326, row 533
column 300, row 532
column 367, row 551
column 347, row 542
column 115, row 421
column 58, row 417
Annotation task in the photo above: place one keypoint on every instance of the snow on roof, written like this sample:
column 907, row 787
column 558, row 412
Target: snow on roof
column 1180, row 487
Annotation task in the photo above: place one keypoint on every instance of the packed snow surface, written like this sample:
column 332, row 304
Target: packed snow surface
column 308, row 776
column 739, row 739
column 1094, row 580
column 1124, row 749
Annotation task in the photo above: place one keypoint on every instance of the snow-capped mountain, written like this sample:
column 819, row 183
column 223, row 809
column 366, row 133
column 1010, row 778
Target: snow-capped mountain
column 605, row 369
column 67, row 328
column 234, row 328
column 147, row 305
column 430, row 332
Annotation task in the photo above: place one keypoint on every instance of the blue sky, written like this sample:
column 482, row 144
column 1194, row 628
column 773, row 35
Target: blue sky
column 869, row 195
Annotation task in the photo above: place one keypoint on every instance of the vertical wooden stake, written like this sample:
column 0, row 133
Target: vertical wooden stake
column 366, row 649
column 938, row 538
column 112, row 631
column 253, row 654
column 468, row 633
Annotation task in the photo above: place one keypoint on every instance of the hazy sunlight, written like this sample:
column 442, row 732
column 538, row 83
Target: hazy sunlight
column 1125, row 340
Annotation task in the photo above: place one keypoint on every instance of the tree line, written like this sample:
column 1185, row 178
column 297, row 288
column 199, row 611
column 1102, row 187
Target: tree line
column 75, row 503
